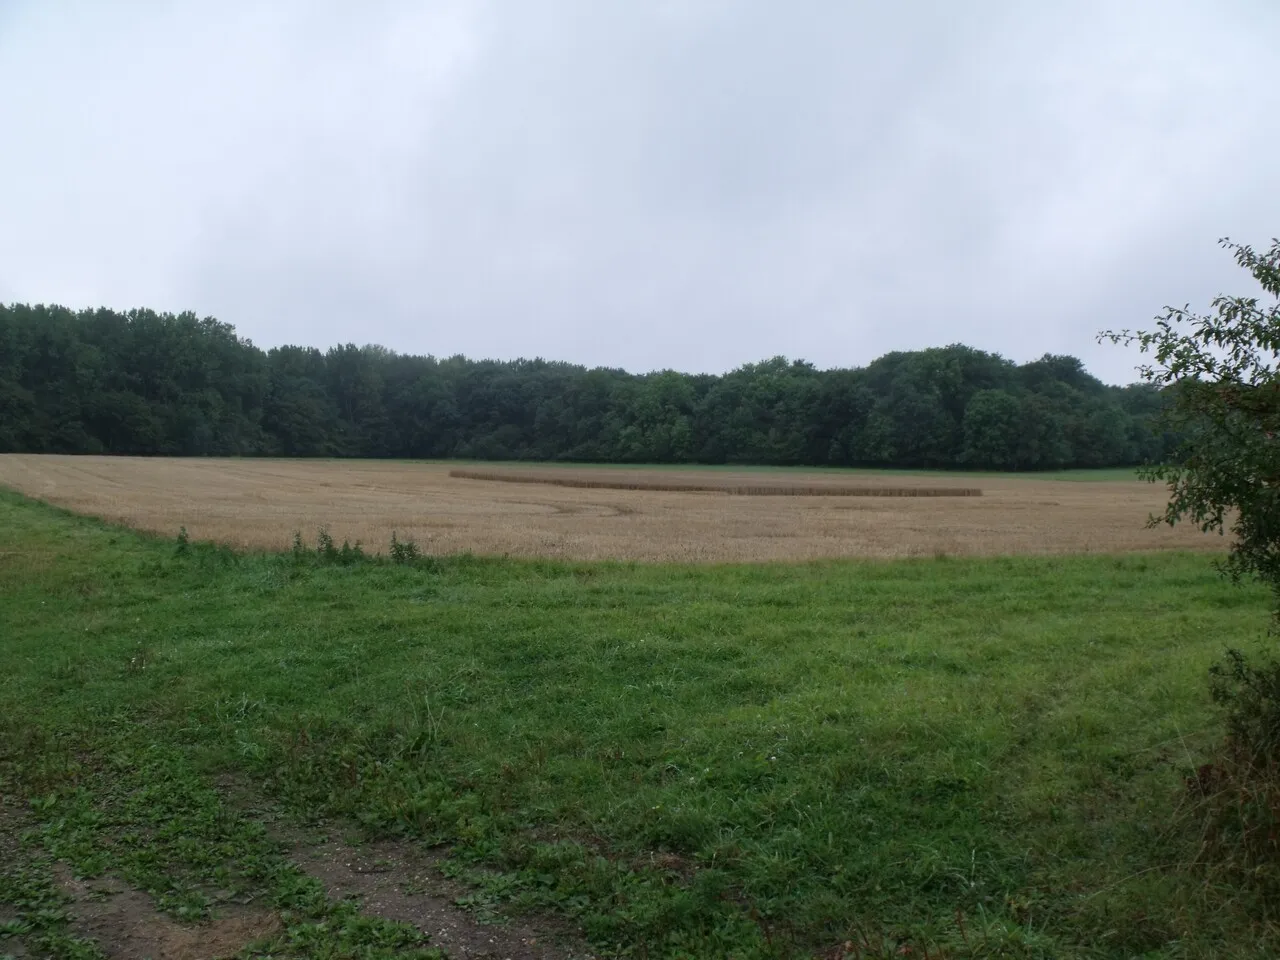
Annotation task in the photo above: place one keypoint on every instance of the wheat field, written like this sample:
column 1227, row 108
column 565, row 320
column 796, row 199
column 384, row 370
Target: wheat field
column 261, row 503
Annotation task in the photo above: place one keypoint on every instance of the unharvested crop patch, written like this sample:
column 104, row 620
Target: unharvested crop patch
column 595, row 480
column 651, row 515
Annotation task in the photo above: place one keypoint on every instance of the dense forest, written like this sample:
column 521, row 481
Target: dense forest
column 145, row 383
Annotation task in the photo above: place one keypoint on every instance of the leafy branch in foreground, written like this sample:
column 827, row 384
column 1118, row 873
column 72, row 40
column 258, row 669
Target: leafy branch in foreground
column 1221, row 374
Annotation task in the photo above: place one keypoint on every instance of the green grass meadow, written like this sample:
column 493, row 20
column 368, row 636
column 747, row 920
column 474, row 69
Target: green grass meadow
column 939, row 757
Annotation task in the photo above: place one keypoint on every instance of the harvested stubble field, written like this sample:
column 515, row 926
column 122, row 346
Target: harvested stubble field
column 261, row 503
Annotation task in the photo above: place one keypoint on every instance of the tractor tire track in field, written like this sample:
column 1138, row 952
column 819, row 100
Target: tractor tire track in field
column 389, row 880
column 105, row 913
column 393, row 880
column 401, row 881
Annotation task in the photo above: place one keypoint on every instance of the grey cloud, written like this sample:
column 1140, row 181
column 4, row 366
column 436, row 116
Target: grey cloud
column 691, row 185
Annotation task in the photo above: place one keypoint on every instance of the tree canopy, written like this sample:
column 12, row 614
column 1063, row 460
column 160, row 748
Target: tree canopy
column 1221, row 372
column 98, row 381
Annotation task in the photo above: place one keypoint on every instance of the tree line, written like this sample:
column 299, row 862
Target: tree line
column 147, row 383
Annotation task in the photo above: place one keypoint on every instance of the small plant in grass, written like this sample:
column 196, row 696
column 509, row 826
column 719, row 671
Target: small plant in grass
column 325, row 547
column 403, row 551
column 139, row 659
column 299, row 548
column 36, row 911
column 350, row 554
column 184, row 541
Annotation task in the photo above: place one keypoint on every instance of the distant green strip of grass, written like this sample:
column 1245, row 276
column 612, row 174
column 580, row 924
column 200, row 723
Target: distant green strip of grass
column 980, row 757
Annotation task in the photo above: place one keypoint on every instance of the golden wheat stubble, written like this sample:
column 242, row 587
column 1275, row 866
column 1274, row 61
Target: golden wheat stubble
column 260, row 503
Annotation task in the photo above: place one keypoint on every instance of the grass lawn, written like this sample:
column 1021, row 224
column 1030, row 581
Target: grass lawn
column 966, row 757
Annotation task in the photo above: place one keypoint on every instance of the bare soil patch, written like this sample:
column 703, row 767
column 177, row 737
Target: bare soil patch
column 124, row 922
column 13, row 821
column 261, row 503
column 127, row 926
column 397, row 881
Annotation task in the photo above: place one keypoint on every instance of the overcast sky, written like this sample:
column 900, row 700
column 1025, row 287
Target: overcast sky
column 692, row 184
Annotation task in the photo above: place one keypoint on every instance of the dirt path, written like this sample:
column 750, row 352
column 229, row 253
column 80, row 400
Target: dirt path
column 122, row 922
column 401, row 881
column 13, row 820
column 395, row 881
column 391, row 880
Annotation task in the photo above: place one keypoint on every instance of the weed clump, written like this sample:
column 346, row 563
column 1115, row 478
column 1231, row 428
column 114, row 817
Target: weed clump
column 325, row 548
column 1238, row 793
column 403, row 551
column 204, row 552
column 1252, row 695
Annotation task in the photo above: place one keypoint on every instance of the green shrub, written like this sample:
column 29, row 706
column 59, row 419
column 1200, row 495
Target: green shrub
column 325, row 548
column 403, row 551
column 1238, row 793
